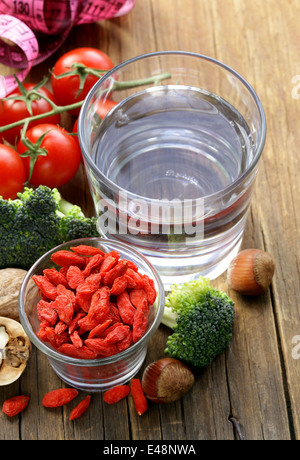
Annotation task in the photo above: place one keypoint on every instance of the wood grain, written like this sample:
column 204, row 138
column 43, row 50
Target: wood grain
column 252, row 390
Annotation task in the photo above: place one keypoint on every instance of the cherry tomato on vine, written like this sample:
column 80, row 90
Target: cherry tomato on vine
column 60, row 164
column 102, row 110
column 66, row 88
column 12, row 172
column 15, row 110
column 104, row 106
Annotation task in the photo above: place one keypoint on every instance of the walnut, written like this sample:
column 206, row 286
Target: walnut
column 10, row 283
column 15, row 349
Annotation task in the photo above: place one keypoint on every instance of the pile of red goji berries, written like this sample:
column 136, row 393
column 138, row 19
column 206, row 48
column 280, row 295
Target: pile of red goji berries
column 95, row 305
column 62, row 396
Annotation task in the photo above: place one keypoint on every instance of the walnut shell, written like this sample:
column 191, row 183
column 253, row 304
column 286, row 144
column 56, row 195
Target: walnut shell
column 15, row 350
column 10, row 283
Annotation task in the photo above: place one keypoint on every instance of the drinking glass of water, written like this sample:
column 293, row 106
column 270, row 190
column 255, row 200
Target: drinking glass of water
column 171, row 167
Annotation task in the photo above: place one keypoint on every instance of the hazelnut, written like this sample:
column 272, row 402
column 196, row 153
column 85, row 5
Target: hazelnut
column 167, row 380
column 251, row 272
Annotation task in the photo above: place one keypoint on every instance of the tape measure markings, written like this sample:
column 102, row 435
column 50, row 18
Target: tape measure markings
column 19, row 20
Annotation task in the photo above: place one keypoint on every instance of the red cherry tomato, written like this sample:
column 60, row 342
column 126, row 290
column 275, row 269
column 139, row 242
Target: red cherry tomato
column 60, row 164
column 102, row 110
column 66, row 89
column 12, row 172
column 105, row 106
column 11, row 111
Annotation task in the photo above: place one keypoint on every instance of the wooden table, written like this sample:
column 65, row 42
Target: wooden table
column 251, row 391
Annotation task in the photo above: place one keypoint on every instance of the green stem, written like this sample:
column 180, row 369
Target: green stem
column 57, row 109
column 169, row 318
column 120, row 85
column 34, row 150
column 43, row 96
column 65, row 207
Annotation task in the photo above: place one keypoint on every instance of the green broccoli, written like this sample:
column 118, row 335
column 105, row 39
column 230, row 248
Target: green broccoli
column 37, row 221
column 202, row 319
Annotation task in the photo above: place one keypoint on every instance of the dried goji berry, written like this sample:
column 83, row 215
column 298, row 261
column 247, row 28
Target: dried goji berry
column 134, row 279
column 99, row 308
column 93, row 263
column 50, row 336
column 101, row 347
column 119, row 285
column 132, row 266
column 84, row 294
column 111, row 328
column 66, row 258
column 74, row 276
column 80, row 408
column 62, row 338
column 118, row 270
column 114, row 314
column 119, row 333
column 59, row 397
column 125, row 307
column 42, row 334
column 140, row 401
column 94, row 280
column 60, row 327
column 85, row 324
column 85, row 291
column 74, row 323
column 45, row 286
column 114, row 254
column 85, row 250
column 46, row 312
column 115, row 394
column 138, row 296
column 107, row 264
column 76, row 340
column 99, row 329
column 63, row 270
column 64, row 308
column 15, row 405
column 55, row 277
column 149, row 288
column 125, row 343
column 140, row 321
column 62, row 290
column 80, row 353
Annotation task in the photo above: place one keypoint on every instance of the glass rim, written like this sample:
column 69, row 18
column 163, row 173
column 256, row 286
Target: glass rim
column 54, row 354
column 112, row 185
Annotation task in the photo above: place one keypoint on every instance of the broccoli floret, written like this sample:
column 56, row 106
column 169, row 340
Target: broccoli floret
column 37, row 221
column 78, row 227
column 202, row 319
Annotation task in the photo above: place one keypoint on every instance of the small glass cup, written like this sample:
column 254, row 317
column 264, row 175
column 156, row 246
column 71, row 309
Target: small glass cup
column 91, row 375
column 172, row 166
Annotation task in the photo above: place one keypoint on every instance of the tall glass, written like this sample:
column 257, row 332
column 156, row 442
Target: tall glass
column 172, row 165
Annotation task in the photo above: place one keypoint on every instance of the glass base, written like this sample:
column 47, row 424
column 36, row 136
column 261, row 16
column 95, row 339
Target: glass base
column 91, row 379
column 210, row 261
column 178, row 272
